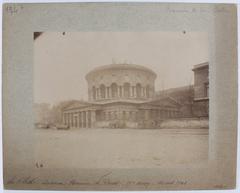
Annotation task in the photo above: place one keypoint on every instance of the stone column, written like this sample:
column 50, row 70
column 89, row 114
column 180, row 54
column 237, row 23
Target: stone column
column 89, row 95
column 121, row 91
column 89, row 119
column 93, row 118
column 92, row 98
column 86, row 119
column 118, row 91
column 70, row 119
column 95, row 94
column 110, row 92
column 98, row 91
column 79, row 120
column 144, row 92
column 82, row 119
column 63, row 118
column 67, row 119
column 77, row 116
column 106, row 93
column 75, row 120
column 130, row 92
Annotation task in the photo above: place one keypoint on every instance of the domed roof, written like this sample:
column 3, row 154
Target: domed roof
column 120, row 67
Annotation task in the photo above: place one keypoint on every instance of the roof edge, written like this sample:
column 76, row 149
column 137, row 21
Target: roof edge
column 120, row 66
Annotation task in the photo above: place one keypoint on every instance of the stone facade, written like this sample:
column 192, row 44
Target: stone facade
column 201, row 90
column 121, row 96
column 183, row 95
column 194, row 99
column 121, row 114
column 121, row 81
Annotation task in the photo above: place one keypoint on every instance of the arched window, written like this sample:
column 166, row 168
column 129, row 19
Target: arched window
column 126, row 89
column 148, row 91
column 114, row 90
column 94, row 92
column 102, row 91
column 138, row 90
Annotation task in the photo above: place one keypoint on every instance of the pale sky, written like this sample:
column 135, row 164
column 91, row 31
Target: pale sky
column 62, row 61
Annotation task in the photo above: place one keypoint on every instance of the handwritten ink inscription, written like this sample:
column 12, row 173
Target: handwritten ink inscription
column 102, row 180
column 13, row 9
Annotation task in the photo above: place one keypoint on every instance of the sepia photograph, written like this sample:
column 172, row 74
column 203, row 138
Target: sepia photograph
column 141, row 99
column 119, row 96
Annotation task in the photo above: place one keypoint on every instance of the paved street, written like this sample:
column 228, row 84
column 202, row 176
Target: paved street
column 120, row 148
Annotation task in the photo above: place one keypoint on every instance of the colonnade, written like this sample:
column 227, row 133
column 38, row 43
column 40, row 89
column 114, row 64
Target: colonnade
column 88, row 118
column 80, row 119
column 120, row 91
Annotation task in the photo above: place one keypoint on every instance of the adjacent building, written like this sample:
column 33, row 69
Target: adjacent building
column 201, row 89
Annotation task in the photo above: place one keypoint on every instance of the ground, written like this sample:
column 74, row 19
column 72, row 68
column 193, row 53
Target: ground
column 120, row 148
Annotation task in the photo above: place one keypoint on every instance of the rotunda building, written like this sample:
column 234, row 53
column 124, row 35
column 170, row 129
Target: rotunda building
column 120, row 82
column 120, row 96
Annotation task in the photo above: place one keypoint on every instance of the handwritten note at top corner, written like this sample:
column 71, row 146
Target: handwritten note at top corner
column 13, row 9
column 196, row 10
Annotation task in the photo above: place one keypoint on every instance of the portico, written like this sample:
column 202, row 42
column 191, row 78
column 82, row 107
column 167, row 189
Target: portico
column 79, row 118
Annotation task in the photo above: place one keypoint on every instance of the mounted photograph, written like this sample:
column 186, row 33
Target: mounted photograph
column 141, row 99
column 119, row 96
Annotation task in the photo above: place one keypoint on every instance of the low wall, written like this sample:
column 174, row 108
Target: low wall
column 191, row 123
column 115, row 124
